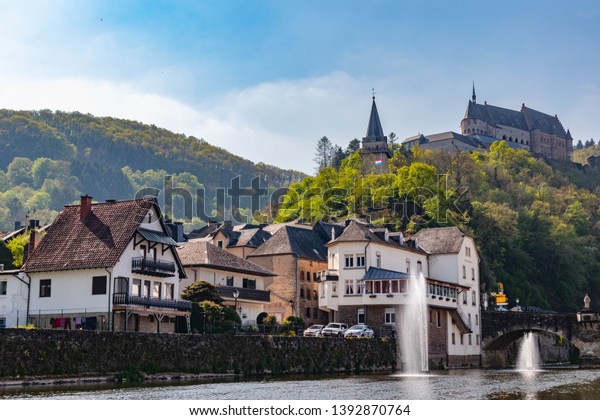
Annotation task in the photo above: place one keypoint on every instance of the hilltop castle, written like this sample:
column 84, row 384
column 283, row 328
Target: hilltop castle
column 540, row 133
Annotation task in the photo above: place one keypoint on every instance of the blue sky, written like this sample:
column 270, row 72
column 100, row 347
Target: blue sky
column 267, row 79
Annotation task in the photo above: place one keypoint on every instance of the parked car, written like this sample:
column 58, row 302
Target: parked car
column 359, row 331
column 334, row 329
column 313, row 330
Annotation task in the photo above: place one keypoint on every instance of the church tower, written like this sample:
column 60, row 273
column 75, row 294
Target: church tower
column 375, row 150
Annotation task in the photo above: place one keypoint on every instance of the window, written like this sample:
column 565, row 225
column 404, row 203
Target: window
column 136, row 287
column 169, row 290
column 438, row 319
column 315, row 295
column 360, row 287
column 378, row 260
column 150, row 217
column 473, row 274
column 464, row 297
column 360, row 316
column 349, row 261
column 476, row 319
column 453, row 338
column 307, row 312
column 316, row 313
column 360, row 260
column 390, row 316
column 229, row 281
column 334, row 288
column 407, row 266
column 419, row 267
column 156, row 289
column 308, row 294
column 473, row 298
column 469, row 318
column 461, row 340
column 249, row 284
column 349, row 290
column 45, row 287
column 308, row 276
column 99, row 285
column 467, row 251
column 470, row 340
column 3, row 287
column 301, row 275
column 2, row 322
column 464, row 272
column 315, row 276
column 301, row 293
column 220, row 244
column 477, row 339
column 147, row 286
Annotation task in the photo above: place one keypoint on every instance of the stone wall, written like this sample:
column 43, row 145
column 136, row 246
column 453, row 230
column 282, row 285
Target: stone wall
column 54, row 352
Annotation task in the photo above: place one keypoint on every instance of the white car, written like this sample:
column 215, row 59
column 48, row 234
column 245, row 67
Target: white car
column 359, row 331
column 334, row 329
column 313, row 330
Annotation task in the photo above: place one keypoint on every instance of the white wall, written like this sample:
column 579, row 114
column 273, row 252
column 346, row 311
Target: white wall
column 13, row 305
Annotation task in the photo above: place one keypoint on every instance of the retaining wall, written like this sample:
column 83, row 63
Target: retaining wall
column 59, row 352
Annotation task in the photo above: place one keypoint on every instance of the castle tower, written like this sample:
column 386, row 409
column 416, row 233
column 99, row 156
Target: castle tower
column 375, row 150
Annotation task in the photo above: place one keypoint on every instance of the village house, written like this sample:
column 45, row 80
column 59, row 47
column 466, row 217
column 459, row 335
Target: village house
column 107, row 266
column 13, row 299
column 239, row 282
column 240, row 240
column 368, row 281
column 297, row 256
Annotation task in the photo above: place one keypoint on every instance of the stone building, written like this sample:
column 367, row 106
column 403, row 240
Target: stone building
column 298, row 257
column 533, row 130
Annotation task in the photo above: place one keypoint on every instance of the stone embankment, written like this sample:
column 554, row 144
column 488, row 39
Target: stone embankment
column 39, row 353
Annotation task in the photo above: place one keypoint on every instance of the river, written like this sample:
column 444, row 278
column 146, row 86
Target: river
column 472, row 384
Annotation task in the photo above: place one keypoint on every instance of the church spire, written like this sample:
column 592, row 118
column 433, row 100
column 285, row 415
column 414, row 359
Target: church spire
column 374, row 129
column 474, row 97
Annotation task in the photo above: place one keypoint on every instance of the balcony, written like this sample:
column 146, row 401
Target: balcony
column 125, row 299
column 152, row 267
column 226, row 292
column 331, row 275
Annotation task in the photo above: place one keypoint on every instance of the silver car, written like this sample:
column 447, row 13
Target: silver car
column 313, row 330
column 359, row 331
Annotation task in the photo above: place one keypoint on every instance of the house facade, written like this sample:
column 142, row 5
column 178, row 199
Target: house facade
column 239, row 282
column 107, row 266
column 297, row 256
column 371, row 274
column 13, row 299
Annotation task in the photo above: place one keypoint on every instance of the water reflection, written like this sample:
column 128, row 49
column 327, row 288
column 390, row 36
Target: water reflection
column 443, row 385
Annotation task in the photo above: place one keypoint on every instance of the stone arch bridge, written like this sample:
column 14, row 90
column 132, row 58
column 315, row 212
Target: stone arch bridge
column 501, row 328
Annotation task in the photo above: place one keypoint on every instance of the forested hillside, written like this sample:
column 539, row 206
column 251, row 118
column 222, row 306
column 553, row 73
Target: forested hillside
column 48, row 159
column 537, row 226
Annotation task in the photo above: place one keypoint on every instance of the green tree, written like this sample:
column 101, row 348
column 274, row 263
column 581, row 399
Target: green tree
column 200, row 291
column 323, row 153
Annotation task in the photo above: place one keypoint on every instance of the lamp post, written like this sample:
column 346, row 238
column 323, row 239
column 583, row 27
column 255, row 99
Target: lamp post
column 518, row 307
column 236, row 294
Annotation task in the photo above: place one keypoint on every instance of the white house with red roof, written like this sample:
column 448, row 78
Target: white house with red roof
column 107, row 266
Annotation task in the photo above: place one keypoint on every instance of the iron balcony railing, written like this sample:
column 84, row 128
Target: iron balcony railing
column 125, row 299
column 152, row 267
column 244, row 294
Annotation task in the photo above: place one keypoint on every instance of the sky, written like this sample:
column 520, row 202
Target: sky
column 266, row 80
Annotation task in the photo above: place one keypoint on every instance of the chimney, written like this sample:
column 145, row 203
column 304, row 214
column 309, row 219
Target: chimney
column 34, row 240
column 86, row 207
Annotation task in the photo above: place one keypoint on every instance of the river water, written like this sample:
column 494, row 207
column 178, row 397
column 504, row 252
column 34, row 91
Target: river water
column 473, row 384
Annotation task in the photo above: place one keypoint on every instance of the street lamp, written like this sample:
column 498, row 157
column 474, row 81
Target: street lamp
column 517, row 300
column 236, row 295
